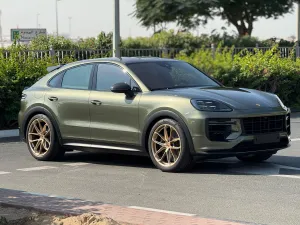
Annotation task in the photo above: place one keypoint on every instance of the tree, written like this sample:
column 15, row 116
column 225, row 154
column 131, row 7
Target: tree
column 243, row 13
column 190, row 13
column 152, row 13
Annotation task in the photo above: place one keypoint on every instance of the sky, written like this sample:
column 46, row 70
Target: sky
column 90, row 17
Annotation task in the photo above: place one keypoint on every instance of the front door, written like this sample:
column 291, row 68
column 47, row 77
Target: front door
column 114, row 117
column 68, row 99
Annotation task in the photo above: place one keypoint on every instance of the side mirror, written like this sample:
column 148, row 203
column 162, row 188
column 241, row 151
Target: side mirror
column 121, row 88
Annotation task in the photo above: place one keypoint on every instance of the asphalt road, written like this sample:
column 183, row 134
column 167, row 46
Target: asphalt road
column 266, row 193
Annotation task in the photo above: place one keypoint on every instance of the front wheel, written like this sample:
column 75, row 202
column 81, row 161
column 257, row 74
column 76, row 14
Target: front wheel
column 42, row 139
column 255, row 157
column 168, row 147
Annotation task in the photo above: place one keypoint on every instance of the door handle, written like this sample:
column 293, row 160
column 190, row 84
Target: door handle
column 96, row 102
column 53, row 99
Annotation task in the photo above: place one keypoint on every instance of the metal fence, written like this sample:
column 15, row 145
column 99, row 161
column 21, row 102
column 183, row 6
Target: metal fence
column 66, row 55
column 62, row 56
column 283, row 51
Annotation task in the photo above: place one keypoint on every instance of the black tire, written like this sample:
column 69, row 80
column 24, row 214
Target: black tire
column 255, row 158
column 56, row 151
column 184, row 161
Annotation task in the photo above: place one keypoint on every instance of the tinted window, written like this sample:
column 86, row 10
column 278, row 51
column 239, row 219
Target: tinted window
column 170, row 74
column 108, row 75
column 56, row 81
column 78, row 77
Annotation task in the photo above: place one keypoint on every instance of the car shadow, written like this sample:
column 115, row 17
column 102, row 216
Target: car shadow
column 111, row 159
column 277, row 165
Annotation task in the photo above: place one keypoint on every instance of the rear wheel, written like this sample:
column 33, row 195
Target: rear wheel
column 168, row 147
column 42, row 139
column 255, row 157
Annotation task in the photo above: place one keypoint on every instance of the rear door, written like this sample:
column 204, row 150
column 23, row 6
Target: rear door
column 68, row 98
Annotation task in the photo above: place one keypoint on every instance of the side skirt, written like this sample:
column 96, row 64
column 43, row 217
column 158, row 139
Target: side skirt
column 106, row 148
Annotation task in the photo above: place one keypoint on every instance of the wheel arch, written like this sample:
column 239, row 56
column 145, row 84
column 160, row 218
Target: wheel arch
column 165, row 114
column 39, row 110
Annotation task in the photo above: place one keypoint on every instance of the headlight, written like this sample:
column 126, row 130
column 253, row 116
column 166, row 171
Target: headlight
column 210, row 105
column 281, row 103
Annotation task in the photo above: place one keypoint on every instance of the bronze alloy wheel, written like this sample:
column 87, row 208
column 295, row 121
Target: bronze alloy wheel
column 166, row 145
column 39, row 137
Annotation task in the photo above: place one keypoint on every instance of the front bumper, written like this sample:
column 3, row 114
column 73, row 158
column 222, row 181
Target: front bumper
column 245, row 147
column 244, row 144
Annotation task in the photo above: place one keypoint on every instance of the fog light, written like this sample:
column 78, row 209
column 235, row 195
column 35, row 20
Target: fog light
column 236, row 129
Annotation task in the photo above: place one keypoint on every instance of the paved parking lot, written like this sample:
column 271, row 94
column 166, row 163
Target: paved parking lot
column 265, row 193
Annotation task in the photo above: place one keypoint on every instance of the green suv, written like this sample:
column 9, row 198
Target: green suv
column 163, row 108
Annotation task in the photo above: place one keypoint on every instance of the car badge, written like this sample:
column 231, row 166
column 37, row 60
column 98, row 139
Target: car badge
column 258, row 105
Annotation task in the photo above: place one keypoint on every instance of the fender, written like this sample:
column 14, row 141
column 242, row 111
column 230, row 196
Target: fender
column 168, row 114
column 36, row 110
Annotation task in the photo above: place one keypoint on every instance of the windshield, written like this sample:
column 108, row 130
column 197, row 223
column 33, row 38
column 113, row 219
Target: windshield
column 170, row 75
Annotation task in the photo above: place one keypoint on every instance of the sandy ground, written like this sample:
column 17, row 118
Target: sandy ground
column 13, row 216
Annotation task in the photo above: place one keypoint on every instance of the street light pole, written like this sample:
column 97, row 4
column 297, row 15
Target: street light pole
column 37, row 20
column 298, row 29
column 70, row 26
column 116, row 34
column 56, row 9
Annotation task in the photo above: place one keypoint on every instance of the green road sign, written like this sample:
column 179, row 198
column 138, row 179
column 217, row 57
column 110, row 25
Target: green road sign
column 26, row 35
column 15, row 34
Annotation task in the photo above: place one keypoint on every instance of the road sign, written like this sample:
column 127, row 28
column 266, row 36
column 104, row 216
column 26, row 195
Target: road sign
column 26, row 35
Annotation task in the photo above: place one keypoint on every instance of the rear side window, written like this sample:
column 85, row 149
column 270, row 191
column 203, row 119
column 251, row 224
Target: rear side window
column 56, row 81
column 78, row 77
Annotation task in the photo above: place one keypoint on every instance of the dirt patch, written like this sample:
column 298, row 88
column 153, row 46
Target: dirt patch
column 13, row 216
column 86, row 219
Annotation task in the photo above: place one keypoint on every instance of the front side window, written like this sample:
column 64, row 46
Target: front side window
column 108, row 75
column 170, row 75
column 78, row 77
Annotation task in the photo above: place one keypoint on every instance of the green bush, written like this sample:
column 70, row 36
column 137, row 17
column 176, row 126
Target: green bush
column 15, row 74
column 45, row 43
column 262, row 71
column 164, row 39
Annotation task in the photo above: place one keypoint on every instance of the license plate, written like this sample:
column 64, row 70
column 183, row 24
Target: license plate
column 267, row 138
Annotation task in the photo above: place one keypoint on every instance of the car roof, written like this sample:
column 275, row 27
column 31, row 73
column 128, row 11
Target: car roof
column 128, row 60
column 125, row 60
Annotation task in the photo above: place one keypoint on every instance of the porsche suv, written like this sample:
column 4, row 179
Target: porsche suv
column 163, row 108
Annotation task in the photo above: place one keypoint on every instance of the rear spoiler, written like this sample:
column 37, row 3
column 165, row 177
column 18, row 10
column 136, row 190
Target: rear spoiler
column 52, row 68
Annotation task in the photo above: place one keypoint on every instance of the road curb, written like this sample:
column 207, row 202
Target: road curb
column 66, row 206
column 9, row 133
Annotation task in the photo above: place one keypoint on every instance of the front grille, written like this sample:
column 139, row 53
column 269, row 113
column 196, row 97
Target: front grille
column 266, row 124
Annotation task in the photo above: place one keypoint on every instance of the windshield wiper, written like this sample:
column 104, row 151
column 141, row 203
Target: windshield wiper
column 157, row 89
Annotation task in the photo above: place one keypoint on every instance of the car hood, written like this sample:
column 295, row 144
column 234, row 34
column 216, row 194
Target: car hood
column 237, row 98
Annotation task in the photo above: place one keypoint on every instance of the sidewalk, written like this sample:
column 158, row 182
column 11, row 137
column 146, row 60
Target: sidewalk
column 63, row 206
